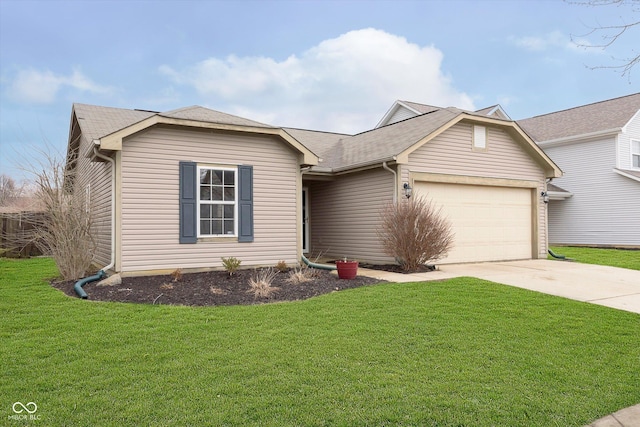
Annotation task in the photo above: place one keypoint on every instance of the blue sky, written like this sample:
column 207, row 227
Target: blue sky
column 326, row 65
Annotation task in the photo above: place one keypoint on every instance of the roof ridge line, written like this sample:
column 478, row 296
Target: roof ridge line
column 581, row 106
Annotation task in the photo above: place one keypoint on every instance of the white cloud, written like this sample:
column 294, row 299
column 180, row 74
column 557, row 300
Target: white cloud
column 41, row 87
column 551, row 40
column 342, row 84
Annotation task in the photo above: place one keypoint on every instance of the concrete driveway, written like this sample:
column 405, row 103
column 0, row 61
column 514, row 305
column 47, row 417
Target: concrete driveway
column 609, row 286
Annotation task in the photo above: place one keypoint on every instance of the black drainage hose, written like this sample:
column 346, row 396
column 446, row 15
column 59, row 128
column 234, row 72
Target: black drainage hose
column 556, row 256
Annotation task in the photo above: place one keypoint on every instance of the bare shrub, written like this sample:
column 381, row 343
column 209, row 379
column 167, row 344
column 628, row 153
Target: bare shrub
column 260, row 282
column 176, row 274
column 64, row 230
column 282, row 266
column 217, row 291
column 414, row 232
column 300, row 275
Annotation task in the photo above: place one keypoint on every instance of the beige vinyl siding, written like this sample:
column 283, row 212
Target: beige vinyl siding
column 344, row 215
column 97, row 175
column 604, row 208
column 150, row 199
column 452, row 153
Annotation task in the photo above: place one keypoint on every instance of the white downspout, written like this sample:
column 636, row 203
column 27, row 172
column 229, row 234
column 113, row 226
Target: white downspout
column 395, row 181
column 113, row 205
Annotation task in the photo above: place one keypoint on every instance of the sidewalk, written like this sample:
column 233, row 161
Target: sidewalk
column 628, row 417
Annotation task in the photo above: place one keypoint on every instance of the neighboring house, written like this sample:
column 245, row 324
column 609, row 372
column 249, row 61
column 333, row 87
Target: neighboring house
column 182, row 189
column 597, row 201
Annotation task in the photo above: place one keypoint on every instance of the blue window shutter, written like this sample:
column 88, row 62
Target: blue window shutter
column 188, row 202
column 245, row 203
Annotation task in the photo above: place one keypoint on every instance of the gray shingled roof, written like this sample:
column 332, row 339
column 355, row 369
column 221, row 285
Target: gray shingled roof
column 202, row 114
column 421, row 108
column 96, row 122
column 323, row 144
column 338, row 151
column 586, row 119
column 388, row 141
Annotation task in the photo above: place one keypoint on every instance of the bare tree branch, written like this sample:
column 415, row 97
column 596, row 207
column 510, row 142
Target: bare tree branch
column 610, row 34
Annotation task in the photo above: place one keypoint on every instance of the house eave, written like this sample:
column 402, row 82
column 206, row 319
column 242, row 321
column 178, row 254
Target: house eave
column 627, row 175
column 114, row 140
column 579, row 138
column 355, row 167
column 559, row 195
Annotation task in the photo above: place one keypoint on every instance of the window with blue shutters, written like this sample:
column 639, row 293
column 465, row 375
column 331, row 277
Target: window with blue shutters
column 215, row 202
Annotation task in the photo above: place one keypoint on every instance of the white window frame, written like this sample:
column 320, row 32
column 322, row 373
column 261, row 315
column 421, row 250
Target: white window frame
column 480, row 137
column 219, row 202
column 635, row 152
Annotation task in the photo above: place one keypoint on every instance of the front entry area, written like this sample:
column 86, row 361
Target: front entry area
column 490, row 223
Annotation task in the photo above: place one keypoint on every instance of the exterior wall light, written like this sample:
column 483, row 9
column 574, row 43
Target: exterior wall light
column 545, row 196
column 407, row 190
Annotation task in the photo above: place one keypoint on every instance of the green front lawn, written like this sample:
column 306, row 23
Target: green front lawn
column 614, row 257
column 463, row 352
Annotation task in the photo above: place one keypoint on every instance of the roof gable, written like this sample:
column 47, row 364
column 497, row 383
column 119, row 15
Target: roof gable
column 608, row 116
column 109, row 126
column 95, row 121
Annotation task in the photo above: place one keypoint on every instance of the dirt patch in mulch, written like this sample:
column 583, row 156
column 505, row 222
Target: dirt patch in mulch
column 213, row 288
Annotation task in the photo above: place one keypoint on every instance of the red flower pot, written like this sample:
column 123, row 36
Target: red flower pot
column 347, row 269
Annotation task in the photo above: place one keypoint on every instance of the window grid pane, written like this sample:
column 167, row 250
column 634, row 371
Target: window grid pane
column 217, row 202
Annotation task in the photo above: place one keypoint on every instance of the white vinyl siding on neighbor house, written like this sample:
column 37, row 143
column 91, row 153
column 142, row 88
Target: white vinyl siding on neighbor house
column 625, row 149
column 635, row 153
column 451, row 153
column 345, row 215
column 402, row 113
column 150, row 199
column 604, row 208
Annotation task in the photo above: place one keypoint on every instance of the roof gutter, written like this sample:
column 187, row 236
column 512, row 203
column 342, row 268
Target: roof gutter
column 113, row 203
column 370, row 164
column 567, row 139
column 395, row 181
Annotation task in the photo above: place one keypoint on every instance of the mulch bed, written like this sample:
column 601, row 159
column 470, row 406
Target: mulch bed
column 212, row 288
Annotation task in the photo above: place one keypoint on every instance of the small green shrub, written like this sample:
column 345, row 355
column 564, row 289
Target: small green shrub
column 231, row 264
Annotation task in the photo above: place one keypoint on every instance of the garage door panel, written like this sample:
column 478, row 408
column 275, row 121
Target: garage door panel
column 489, row 223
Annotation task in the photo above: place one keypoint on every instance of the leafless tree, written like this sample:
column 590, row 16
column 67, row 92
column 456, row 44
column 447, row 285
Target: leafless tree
column 9, row 190
column 414, row 232
column 64, row 230
column 610, row 33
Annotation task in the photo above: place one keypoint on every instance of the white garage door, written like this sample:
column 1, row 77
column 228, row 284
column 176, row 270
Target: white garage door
column 490, row 223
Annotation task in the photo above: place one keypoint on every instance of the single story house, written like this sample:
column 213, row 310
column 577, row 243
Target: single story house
column 183, row 188
column 597, row 201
